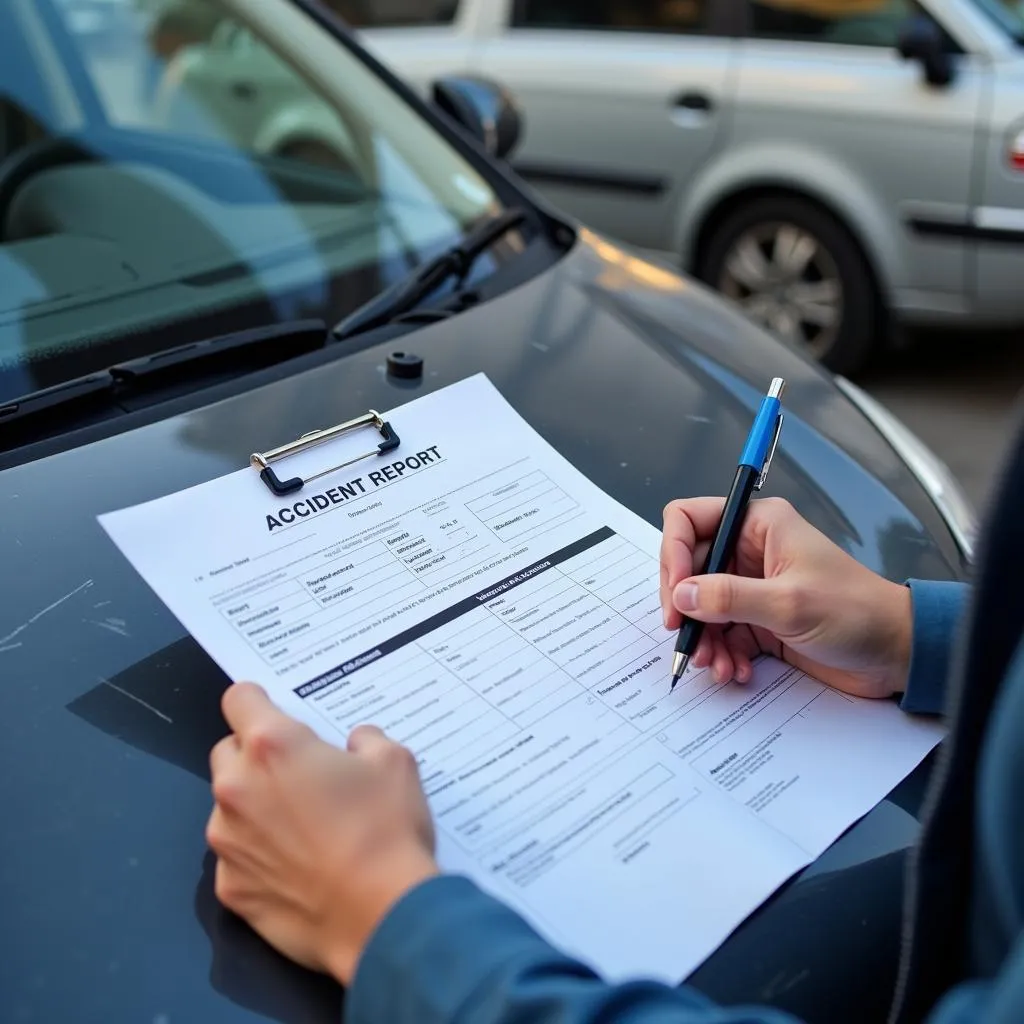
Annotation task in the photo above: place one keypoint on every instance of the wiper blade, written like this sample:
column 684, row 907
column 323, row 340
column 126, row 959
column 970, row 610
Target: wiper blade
column 294, row 338
column 67, row 393
column 134, row 377
column 455, row 262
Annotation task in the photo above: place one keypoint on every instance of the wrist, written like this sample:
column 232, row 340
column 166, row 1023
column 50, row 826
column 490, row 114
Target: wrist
column 368, row 899
column 899, row 616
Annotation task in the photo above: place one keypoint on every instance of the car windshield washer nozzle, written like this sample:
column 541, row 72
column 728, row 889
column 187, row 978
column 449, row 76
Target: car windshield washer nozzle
column 405, row 365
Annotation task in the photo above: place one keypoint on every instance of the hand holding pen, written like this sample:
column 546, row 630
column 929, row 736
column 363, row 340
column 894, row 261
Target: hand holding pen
column 751, row 472
column 790, row 593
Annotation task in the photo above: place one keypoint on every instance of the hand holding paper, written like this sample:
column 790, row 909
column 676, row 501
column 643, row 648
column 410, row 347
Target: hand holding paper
column 314, row 844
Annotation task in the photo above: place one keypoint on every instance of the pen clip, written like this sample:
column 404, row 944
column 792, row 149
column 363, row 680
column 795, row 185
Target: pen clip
column 771, row 452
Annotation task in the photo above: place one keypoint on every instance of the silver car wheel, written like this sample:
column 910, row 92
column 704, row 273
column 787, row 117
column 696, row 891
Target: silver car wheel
column 786, row 281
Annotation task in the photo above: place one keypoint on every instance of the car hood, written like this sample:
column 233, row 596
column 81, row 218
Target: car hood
column 108, row 710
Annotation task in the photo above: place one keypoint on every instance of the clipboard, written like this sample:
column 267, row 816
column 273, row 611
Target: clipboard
column 262, row 461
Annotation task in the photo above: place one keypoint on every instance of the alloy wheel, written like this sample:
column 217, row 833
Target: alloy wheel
column 784, row 279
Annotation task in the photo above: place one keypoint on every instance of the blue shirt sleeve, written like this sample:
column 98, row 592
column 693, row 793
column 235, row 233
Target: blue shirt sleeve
column 995, row 1000
column 448, row 953
column 938, row 609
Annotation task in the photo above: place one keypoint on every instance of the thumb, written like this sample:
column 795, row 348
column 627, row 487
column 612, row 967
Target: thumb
column 365, row 739
column 725, row 598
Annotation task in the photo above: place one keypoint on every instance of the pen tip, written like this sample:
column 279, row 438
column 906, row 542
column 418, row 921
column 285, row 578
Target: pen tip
column 675, row 679
column 679, row 663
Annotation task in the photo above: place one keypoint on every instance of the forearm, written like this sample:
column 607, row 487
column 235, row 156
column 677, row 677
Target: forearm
column 449, row 953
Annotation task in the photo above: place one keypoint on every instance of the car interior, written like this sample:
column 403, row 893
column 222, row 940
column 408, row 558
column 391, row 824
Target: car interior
column 118, row 238
column 849, row 22
column 857, row 22
column 384, row 13
column 613, row 15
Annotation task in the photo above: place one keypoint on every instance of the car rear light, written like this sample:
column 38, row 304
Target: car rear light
column 1016, row 151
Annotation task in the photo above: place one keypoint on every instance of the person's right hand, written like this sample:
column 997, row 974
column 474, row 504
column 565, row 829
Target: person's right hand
column 793, row 594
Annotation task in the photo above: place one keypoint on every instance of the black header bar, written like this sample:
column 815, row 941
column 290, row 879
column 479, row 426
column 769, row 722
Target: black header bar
column 399, row 640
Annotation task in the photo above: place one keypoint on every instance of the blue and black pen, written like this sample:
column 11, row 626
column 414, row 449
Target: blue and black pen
column 751, row 472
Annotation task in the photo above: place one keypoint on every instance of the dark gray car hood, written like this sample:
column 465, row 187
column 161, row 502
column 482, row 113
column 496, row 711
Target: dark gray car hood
column 107, row 711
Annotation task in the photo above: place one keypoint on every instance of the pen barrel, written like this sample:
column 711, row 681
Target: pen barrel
column 723, row 547
column 759, row 440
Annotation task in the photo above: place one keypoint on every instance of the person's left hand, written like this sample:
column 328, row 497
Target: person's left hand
column 315, row 844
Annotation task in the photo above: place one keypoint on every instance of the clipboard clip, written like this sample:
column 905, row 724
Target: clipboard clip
column 261, row 461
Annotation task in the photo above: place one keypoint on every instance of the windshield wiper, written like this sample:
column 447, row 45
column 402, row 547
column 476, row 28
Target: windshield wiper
column 407, row 293
column 125, row 382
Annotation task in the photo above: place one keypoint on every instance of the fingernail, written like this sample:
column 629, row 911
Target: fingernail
column 684, row 597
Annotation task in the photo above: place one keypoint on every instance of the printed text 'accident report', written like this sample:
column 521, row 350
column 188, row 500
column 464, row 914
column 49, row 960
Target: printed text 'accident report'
column 481, row 601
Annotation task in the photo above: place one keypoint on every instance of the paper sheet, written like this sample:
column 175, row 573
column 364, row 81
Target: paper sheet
column 485, row 604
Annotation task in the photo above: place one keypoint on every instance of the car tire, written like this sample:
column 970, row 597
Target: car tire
column 787, row 263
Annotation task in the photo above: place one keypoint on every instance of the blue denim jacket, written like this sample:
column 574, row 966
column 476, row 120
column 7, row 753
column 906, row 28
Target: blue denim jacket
column 449, row 953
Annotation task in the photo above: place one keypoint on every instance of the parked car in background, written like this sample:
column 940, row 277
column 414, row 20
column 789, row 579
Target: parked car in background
column 173, row 300
column 780, row 149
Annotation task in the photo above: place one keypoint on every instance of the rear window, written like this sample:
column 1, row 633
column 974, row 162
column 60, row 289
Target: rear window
column 850, row 22
column 673, row 16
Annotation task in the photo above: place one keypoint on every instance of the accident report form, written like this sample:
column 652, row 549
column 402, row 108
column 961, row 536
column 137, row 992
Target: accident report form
column 485, row 604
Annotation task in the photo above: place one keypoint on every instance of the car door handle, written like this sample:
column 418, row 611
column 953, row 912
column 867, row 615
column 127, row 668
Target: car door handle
column 691, row 109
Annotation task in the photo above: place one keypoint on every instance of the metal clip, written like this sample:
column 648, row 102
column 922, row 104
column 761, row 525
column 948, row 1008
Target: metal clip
column 771, row 452
column 260, row 461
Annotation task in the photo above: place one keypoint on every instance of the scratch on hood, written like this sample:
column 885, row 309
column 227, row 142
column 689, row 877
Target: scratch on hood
column 5, row 640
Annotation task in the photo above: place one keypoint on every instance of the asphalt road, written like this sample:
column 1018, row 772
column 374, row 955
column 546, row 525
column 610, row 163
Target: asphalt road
column 962, row 394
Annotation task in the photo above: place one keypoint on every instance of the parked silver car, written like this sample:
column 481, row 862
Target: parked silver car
column 780, row 149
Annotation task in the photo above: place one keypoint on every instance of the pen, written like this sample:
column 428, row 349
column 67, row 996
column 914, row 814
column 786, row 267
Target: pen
column 754, row 462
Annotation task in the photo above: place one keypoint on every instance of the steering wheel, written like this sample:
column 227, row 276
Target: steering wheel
column 28, row 161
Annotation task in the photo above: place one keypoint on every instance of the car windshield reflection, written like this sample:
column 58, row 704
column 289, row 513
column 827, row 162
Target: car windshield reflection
column 168, row 170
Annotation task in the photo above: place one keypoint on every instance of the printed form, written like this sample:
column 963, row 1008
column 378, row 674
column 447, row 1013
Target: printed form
column 485, row 604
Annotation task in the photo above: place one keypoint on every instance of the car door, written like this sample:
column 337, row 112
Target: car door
column 235, row 86
column 824, row 101
column 240, row 86
column 623, row 100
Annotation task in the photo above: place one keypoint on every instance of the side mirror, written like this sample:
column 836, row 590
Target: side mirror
column 484, row 108
column 922, row 40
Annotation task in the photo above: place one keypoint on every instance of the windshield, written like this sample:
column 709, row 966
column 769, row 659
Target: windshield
column 173, row 169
